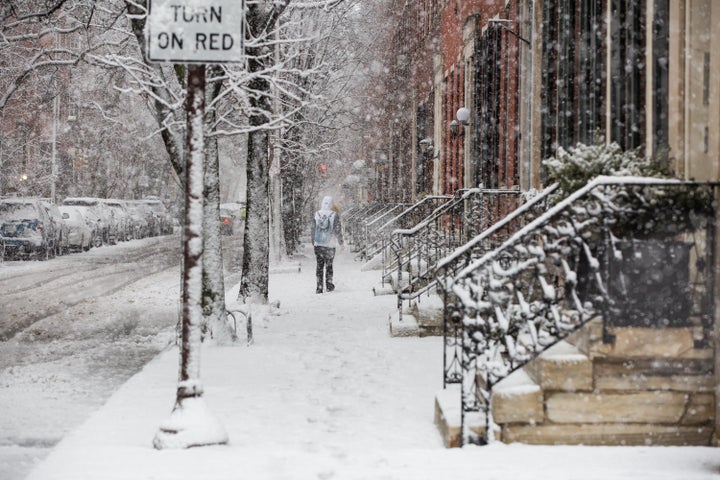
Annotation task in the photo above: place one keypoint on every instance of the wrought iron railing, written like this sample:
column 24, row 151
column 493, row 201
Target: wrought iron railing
column 353, row 221
column 451, row 225
column 631, row 251
column 373, row 236
column 498, row 225
column 408, row 218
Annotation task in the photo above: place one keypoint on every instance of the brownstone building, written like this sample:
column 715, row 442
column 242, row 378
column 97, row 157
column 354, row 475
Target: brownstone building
column 484, row 91
column 535, row 75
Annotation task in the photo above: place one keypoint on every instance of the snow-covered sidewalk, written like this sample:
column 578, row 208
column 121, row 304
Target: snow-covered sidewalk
column 326, row 393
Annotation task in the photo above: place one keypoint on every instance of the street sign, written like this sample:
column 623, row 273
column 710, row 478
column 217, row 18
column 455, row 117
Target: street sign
column 196, row 31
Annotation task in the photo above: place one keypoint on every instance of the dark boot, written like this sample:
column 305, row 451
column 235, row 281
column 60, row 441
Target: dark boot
column 329, row 286
column 319, row 288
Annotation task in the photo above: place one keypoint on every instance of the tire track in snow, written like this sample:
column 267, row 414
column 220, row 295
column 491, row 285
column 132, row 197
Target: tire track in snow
column 25, row 306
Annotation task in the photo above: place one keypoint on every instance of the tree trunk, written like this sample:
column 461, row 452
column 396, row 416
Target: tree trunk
column 256, row 239
column 213, row 284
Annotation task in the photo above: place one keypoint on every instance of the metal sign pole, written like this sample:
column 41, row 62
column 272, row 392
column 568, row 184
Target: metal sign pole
column 183, row 430
column 193, row 33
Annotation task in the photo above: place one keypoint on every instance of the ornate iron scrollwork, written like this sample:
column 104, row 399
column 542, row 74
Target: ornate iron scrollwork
column 552, row 275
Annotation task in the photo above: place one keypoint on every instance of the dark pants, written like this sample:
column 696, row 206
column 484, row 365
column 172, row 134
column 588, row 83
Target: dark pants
column 325, row 257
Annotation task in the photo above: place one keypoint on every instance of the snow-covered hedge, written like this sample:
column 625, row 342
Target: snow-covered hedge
column 644, row 211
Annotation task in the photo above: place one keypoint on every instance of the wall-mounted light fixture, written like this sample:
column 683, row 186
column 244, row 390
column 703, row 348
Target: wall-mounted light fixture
column 426, row 145
column 457, row 127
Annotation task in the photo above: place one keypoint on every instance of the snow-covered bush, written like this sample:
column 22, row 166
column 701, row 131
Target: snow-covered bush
column 642, row 211
column 573, row 168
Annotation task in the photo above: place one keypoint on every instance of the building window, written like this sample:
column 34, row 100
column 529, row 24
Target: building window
column 488, row 62
column 425, row 148
column 591, row 74
column 573, row 77
column 661, row 76
column 628, row 72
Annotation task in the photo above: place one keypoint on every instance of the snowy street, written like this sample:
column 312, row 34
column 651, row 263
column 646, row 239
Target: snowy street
column 73, row 329
column 325, row 393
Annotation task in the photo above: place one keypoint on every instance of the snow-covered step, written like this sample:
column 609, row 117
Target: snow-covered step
column 562, row 367
column 448, row 418
column 383, row 289
column 428, row 310
column 405, row 327
column 517, row 399
column 375, row 263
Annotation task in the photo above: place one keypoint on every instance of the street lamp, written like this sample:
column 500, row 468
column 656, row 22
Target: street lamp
column 23, row 183
column 463, row 120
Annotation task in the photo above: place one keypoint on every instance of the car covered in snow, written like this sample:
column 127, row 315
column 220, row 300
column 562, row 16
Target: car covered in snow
column 121, row 222
column 80, row 235
column 26, row 228
column 89, row 209
column 162, row 215
column 144, row 218
column 60, row 230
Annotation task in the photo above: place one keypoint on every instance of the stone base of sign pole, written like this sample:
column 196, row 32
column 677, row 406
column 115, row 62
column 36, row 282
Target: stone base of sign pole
column 191, row 424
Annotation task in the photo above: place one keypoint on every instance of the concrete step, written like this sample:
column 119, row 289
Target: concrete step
column 405, row 327
column 383, row 289
column 448, row 417
column 374, row 263
column 428, row 310
column 562, row 367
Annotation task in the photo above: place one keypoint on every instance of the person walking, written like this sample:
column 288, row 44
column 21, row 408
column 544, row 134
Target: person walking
column 326, row 237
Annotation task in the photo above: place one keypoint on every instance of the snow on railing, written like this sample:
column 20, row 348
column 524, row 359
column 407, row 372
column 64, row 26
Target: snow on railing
column 584, row 258
column 408, row 218
column 451, row 225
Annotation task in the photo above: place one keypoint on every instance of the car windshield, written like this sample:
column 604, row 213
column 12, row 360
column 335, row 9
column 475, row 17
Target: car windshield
column 17, row 211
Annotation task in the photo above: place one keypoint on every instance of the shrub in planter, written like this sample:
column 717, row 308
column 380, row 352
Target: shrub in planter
column 643, row 211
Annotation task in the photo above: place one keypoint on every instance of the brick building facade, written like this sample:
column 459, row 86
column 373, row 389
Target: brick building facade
column 536, row 75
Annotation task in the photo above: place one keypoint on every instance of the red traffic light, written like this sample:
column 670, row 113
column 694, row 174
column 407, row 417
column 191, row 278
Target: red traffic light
column 323, row 169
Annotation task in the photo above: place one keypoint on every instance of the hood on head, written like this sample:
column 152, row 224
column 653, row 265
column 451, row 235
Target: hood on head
column 327, row 203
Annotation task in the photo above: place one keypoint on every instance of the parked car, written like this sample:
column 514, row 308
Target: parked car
column 110, row 231
column 153, row 223
column 138, row 220
column 120, row 218
column 60, row 230
column 88, row 207
column 227, row 222
column 26, row 228
column 164, row 219
column 80, row 235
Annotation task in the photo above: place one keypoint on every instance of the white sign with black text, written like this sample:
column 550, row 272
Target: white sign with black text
column 196, row 31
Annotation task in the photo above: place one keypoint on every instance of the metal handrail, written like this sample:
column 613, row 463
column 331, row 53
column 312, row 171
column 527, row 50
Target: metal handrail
column 408, row 218
column 566, row 267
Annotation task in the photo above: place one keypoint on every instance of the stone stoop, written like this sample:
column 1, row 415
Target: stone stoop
column 424, row 318
column 383, row 289
column 375, row 263
column 407, row 327
column 646, row 389
column 391, row 284
column 649, row 387
column 429, row 311
column 448, row 420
